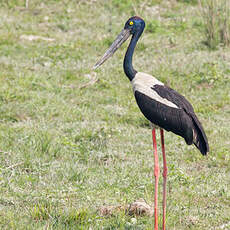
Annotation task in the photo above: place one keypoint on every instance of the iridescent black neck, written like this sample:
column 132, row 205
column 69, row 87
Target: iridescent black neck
column 127, row 64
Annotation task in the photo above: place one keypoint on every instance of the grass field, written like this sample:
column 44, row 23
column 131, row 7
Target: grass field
column 73, row 139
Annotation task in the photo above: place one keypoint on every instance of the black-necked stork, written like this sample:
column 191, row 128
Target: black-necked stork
column 161, row 105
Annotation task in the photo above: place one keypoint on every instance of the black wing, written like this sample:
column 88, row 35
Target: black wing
column 181, row 121
column 200, row 139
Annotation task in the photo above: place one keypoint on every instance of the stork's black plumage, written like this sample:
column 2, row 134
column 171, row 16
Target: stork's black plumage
column 169, row 110
column 198, row 136
column 161, row 105
column 181, row 120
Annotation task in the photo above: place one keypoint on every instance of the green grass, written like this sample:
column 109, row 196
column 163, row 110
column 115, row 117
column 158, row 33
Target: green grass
column 66, row 150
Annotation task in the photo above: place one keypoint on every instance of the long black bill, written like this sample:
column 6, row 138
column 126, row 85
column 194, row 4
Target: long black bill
column 121, row 38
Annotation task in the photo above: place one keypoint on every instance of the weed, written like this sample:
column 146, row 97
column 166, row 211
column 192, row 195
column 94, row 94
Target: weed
column 216, row 17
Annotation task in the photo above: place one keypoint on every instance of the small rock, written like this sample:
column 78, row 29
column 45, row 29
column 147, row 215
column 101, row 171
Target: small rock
column 137, row 208
column 140, row 207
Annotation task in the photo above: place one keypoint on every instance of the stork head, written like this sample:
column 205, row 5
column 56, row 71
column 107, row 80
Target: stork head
column 134, row 25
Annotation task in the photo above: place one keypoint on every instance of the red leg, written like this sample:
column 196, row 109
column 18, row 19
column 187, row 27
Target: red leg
column 164, row 176
column 156, row 174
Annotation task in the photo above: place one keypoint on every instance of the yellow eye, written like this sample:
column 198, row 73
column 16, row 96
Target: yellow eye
column 131, row 23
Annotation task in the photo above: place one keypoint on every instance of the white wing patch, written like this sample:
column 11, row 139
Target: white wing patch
column 144, row 83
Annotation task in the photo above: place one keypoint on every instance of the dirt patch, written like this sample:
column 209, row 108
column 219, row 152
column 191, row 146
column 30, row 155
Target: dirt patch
column 137, row 208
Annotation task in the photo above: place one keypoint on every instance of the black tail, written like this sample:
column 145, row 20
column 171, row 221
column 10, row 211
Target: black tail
column 199, row 138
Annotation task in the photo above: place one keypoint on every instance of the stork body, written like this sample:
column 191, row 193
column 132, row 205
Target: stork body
column 161, row 105
column 169, row 110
